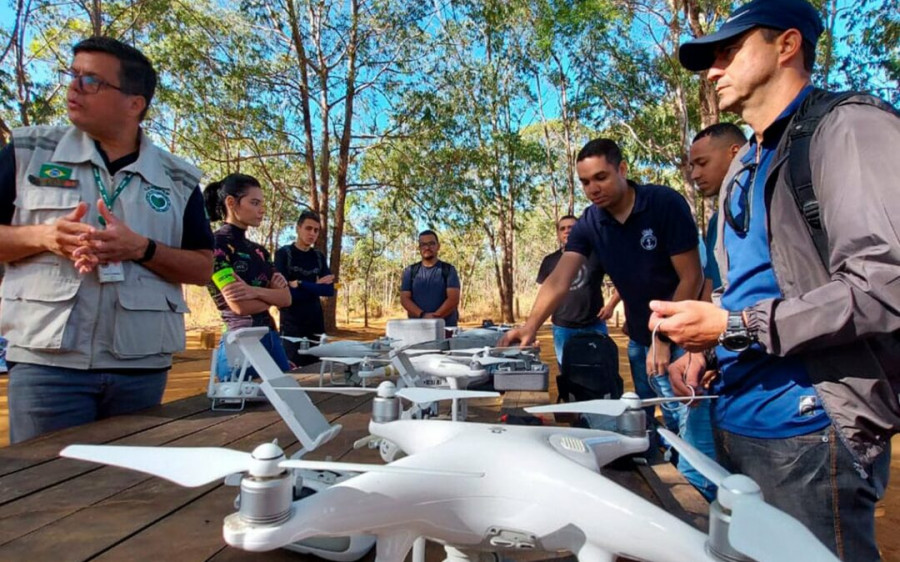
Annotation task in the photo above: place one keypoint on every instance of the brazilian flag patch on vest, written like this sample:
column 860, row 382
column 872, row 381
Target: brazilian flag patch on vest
column 53, row 175
column 55, row 171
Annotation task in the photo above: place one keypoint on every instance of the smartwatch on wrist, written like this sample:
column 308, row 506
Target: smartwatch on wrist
column 148, row 253
column 737, row 336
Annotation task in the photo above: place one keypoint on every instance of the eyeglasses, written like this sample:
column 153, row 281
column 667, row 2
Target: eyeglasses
column 86, row 83
column 743, row 180
column 427, row 244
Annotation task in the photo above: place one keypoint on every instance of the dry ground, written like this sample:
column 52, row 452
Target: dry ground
column 189, row 376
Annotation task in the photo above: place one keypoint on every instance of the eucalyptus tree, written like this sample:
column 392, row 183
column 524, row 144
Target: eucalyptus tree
column 328, row 63
column 462, row 160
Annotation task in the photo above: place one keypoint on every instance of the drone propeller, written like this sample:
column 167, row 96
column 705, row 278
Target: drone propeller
column 757, row 529
column 417, row 395
column 474, row 350
column 295, row 339
column 350, row 361
column 186, row 466
column 617, row 407
column 361, row 467
column 196, row 466
column 423, row 395
column 484, row 361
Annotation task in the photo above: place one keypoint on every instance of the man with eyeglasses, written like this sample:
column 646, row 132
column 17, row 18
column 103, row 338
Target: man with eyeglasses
column 430, row 288
column 100, row 228
column 582, row 309
column 808, row 348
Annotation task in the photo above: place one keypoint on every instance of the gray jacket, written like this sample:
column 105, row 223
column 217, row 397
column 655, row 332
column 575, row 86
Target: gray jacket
column 844, row 322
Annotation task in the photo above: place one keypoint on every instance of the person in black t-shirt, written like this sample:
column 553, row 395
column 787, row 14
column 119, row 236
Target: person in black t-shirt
column 582, row 309
column 244, row 283
column 307, row 273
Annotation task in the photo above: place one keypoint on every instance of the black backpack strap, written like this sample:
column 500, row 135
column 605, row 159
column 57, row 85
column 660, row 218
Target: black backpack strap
column 445, row 273
column 800, row 132
column 321, row 258
column 413, row 271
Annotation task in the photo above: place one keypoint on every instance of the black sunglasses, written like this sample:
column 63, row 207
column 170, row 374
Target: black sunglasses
column 743, row 180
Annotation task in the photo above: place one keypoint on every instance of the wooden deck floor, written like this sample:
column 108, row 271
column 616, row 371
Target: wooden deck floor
column 190, row 372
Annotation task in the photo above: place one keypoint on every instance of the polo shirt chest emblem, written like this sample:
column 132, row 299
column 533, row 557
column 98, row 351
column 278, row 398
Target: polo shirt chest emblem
column 648, row 239
column 158, row 198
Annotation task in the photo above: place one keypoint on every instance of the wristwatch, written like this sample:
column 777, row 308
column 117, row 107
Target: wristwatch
column 148, row 253
column 737, row 336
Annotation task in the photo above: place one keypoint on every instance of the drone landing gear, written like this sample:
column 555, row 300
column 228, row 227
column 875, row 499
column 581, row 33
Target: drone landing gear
column 232, row 396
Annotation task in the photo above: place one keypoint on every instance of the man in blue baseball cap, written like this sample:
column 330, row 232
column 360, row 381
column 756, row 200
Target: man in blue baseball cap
column 808, row 320
column 781, row 15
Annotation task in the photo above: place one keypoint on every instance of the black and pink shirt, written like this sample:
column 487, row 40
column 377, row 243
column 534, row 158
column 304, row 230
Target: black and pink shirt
column 250, row 261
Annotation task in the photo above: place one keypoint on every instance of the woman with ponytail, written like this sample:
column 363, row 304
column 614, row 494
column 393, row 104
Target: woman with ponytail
column 244, row 283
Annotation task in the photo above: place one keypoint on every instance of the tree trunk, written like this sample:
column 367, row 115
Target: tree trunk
column 96, row 18
column 302, row 62
column 709, row 101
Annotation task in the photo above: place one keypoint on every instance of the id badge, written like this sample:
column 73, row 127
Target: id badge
column 113, row 272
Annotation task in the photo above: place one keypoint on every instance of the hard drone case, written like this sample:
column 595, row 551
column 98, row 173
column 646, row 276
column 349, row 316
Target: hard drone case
column 533, row 380
column 415, row 330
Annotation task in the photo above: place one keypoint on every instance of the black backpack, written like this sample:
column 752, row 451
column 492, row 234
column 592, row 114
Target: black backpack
column 590, row 369
column 799, row 178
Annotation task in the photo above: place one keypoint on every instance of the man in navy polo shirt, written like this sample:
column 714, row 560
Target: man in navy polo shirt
column 645, row 237
column 808, row 347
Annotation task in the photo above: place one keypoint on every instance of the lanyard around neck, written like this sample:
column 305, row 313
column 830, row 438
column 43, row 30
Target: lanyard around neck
column 110, row 200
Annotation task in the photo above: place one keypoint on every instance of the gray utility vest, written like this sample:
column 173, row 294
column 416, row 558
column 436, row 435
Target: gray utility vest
column 51, row 315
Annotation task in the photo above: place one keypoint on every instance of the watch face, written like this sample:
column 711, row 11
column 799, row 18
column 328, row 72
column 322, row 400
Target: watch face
column 736, row 342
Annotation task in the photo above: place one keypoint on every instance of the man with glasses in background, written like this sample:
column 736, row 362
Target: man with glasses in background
column 808, row 341
column 100, row 228
column 430, row 288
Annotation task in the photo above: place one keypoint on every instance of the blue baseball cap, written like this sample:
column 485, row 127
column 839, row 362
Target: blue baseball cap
column 699, row 54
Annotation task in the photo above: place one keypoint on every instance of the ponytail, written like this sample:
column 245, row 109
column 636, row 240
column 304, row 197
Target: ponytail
column 215, row 208
column 235, row 185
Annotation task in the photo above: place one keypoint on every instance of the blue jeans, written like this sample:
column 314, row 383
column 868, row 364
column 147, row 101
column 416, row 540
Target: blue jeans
column 815, row 479
column 271, row 341
column 44, row 399
column 694, row 425
column 562, row 334
column 3, row 367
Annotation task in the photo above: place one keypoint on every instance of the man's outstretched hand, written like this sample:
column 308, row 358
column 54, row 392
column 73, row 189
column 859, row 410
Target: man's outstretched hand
column 522, row 335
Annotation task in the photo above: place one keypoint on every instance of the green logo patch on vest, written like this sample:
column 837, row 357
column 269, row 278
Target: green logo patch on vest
column 55, row 171
column 158, row 199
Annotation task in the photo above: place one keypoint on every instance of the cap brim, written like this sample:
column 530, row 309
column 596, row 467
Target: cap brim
column 700, row 53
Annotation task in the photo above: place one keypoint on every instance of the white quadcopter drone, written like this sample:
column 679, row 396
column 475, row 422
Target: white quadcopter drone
column 472, row 486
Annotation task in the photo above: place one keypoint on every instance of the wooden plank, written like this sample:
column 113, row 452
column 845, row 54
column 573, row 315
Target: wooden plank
column 54, row 513
column 35, row 451
column 676, row 495
column 24, row 482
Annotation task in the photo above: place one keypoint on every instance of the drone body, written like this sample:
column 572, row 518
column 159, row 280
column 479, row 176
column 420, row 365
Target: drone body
column 539, row 489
